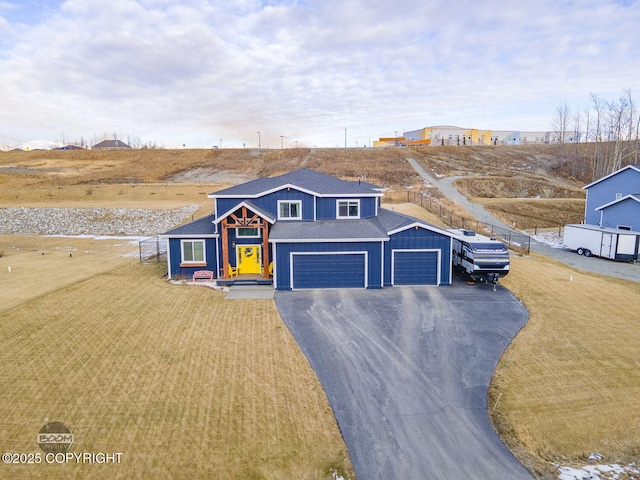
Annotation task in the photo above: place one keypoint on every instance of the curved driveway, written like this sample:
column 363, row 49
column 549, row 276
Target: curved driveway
column 406, row 371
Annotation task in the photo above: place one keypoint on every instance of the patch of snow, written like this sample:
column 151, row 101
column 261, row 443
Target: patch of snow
column 335, row 476
column 131, row 239
column 597, row 472
column 550, row 239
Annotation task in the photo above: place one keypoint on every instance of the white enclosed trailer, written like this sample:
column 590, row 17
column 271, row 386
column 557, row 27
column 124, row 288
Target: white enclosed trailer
column 612, row 243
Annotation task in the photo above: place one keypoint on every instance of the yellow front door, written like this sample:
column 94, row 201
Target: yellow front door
column 248, row 257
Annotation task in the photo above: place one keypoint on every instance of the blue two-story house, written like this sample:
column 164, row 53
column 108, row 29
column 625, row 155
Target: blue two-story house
column 614, row 201
column 305, row 229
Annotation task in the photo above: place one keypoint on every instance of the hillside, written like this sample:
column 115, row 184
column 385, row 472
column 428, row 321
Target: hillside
column 504, row 172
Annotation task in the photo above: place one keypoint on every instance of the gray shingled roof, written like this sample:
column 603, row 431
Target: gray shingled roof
column 394, row 220
column 268, row 216
column 369, row 229
column 110, row 144
column 391, row 221
column 202, row 226
column 303, row 178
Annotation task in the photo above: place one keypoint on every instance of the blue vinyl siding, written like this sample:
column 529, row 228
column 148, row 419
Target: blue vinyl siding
column 626, row 182
column 187, row 272
column 420, row 239
column 625, row 213
column 327, row 207
column 270, row 202
column 338, row 270
column 283, row 255
column 415, row 268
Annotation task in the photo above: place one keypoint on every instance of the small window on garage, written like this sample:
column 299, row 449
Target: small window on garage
column 193, row 251
column 245, row 232
column 289, row 210
column 348, row 209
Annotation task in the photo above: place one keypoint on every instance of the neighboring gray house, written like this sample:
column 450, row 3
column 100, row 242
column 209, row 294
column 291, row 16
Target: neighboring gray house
column 614, row 201
column 110, row 145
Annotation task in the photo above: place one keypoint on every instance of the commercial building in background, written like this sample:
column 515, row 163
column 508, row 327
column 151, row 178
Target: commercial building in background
column 451, row 135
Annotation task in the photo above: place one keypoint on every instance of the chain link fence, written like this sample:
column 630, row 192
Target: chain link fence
column 517, row 241
column 152, row 250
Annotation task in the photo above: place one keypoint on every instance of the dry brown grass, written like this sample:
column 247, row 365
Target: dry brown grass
column 514, row 187
column 506, row 160
column 569, row 383
column 524, row 213
column 416, row 211
column 182, row 382
column 90, row 167
column 41, row 265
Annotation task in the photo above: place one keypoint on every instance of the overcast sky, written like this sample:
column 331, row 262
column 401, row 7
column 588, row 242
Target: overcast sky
column 200, row 73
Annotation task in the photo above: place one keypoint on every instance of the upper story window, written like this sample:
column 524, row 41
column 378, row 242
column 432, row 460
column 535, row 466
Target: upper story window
column 193, row 251
column 289, row 210
column 348, row 209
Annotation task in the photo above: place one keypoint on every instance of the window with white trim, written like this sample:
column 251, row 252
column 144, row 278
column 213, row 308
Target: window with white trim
column 289, row 210
column 193, row 251
column 348, row 209
column 248, row 232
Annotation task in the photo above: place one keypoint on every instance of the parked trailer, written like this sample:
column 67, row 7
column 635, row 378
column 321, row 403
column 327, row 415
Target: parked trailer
column 482, row 258
column 613, row 243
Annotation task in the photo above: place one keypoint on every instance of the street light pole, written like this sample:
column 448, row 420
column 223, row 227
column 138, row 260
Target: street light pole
column 345, row 138
column 258, row 140
column 281, row 142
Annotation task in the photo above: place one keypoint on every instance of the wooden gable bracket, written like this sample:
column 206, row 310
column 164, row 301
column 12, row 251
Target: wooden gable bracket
column 244, row 220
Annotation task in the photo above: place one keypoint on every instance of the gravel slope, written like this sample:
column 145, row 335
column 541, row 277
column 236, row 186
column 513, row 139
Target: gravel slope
column 91, row 221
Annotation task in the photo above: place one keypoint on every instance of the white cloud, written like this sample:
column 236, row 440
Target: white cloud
column 196, row 71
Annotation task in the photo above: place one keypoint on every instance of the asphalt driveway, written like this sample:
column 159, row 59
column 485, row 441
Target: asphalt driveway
column 406, row 371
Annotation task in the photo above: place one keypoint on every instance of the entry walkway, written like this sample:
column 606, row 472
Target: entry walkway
column 250, row 292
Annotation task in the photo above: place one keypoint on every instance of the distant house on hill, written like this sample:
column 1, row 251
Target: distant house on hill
column 110, row 145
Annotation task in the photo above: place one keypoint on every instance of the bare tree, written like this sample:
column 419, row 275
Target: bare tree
column 560, row 122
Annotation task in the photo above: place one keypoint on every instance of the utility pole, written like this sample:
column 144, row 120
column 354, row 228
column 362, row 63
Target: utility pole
column 258, row 140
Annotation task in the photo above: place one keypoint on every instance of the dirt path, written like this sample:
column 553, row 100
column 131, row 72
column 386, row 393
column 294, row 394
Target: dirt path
column 627, row 271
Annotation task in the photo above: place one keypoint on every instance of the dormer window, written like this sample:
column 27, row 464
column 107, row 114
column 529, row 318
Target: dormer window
column 348, row 209
column 289, row 210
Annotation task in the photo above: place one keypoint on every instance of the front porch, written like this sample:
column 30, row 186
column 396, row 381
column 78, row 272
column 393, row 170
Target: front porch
column 247, row 279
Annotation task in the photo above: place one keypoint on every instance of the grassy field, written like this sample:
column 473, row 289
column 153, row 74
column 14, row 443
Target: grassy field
column 183, row 383
column 569, row 384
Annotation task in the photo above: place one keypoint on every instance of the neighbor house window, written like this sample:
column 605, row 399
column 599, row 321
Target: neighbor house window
column 193, row 251
column 289, row 210
column 247, row 232
column 348, row 209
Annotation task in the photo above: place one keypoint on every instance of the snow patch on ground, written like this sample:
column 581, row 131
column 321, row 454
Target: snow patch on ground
column 551, row 239
column 599, row 472
column 132, row 241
